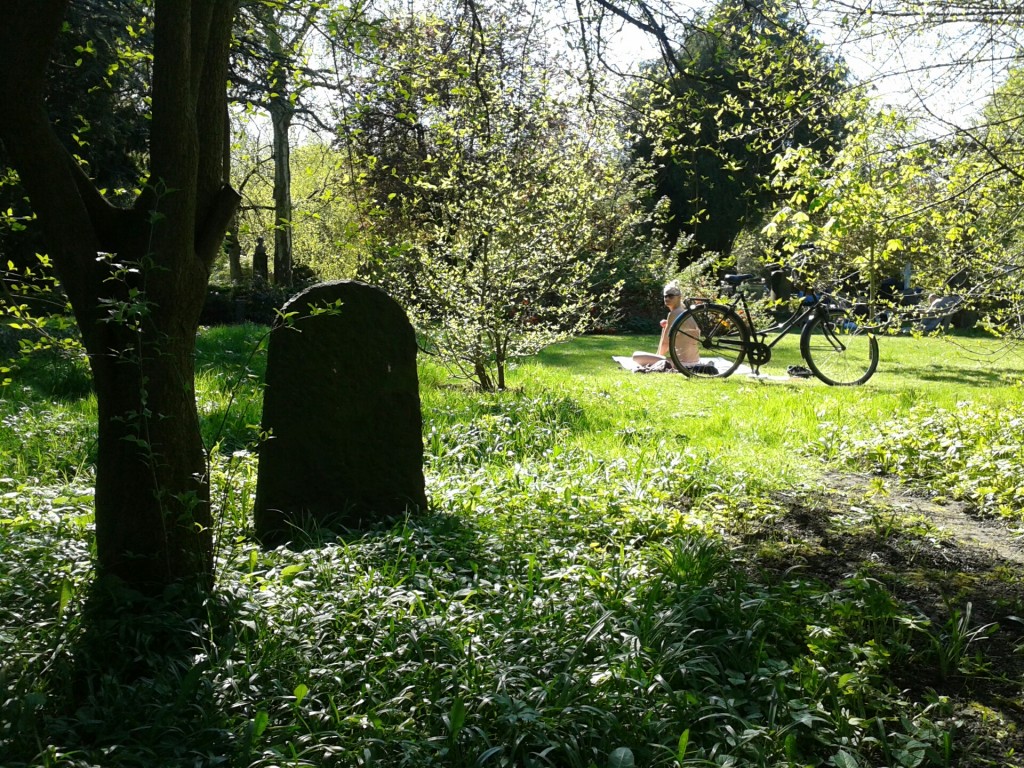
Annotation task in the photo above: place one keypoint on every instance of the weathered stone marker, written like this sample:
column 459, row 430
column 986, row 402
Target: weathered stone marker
column 342, row 410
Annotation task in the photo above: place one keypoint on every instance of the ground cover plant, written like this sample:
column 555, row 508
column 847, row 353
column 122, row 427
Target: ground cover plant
column 616, row 570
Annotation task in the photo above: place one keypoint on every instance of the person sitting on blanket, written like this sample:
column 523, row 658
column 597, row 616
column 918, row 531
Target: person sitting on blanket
column 686, row 342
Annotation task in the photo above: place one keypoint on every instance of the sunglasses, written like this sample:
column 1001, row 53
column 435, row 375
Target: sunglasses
column 672, row 295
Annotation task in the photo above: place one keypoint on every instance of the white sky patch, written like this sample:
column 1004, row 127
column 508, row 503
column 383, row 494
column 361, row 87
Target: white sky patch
column 943, row 77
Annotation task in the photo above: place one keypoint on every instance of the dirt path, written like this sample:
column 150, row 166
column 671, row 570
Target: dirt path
column 937, row 559
column 992, row 536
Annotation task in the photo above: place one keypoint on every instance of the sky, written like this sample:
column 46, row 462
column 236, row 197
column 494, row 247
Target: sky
column 916, row 73
column 927, row 73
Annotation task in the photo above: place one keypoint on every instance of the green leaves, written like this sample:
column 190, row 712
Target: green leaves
column 972, row 454
column 622, row 757
column 497, row 208
column 872, row 209
column 569, row 594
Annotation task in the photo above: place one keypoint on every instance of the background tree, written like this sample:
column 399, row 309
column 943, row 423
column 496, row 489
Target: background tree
column 743, row 85
column 289, row 57
column 866, row 210
column 489, row 188
column 945, row 62
column 327, row 233
column 985, row 184
column 271, row 71
column 136, row 272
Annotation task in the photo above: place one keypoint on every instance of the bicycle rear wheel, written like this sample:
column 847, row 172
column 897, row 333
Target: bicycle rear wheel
column 838, row 351
column 707, row 341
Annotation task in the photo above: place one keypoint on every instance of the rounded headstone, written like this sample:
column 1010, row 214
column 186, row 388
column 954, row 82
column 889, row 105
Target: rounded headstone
column 343, row 429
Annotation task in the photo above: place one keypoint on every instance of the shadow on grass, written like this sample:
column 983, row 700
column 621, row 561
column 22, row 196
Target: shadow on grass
column 55, row 374
column 130, row 685
column 187, row 679
column 966, row 644
column 235, row 351
column 967, row 376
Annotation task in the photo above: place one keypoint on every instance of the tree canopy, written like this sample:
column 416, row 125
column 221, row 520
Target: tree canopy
column 96, row 96
column 746, row 83
column 491, row 190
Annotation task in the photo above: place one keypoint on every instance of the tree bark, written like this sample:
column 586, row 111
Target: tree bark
column 281, row 112
column 137, row 278
column 231, row 242
column 234, row 250
column 281, row 120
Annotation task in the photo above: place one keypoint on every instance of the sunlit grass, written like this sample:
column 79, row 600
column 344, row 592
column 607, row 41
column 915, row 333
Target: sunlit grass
column 761, row 425
column 577, row 595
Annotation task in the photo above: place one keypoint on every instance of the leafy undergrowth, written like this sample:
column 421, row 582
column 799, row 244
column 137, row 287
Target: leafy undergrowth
column 555, row 608
column 957, row 606
column 973, row 453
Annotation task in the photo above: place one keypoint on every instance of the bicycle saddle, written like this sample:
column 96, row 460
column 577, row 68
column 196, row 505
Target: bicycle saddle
column 735, row 280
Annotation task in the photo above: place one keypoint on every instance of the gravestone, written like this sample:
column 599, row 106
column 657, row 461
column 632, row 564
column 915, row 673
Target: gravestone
column 341, row 411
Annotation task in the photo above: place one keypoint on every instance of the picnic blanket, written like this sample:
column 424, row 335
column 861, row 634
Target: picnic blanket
column 629, row 364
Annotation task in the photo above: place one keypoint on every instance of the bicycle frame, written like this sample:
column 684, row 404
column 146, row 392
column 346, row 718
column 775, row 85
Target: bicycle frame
column 809, row 306
column 836, row 349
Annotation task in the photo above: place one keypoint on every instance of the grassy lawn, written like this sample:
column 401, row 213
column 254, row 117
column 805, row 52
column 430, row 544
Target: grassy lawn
column 764, row 426
column 617, row 570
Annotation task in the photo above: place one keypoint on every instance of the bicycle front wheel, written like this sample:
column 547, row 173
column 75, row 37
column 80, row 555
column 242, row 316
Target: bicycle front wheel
column 838, row 351
column 707, row 341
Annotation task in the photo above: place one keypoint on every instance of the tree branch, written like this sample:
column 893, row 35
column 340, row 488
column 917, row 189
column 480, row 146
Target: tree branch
column 210, row 231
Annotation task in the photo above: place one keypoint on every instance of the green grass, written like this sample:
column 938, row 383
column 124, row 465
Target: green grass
column 611, row 571
column 764, row 427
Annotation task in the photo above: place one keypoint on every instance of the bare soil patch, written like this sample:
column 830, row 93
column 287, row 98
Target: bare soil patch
column 994, row 537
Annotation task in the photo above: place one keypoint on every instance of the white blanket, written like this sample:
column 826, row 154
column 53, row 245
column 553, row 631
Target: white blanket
column 629, row 364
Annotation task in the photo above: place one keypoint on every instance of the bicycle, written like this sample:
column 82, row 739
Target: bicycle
column 710, row 339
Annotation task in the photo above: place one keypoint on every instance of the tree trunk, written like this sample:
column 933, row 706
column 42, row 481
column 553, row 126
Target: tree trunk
column 233, row 246
column 260, row 270
column 234, row 249
column 483, row 378
column 281, row 119
column 153, row 520
column 136, row 277
column 500, row 369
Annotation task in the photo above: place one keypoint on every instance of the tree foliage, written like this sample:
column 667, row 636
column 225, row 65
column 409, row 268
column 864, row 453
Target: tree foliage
column 326, row 226
column 867, row 207
column 96, row 99
column 891, row 204
column 950, row 58
column 497, row 201
column 745, row 83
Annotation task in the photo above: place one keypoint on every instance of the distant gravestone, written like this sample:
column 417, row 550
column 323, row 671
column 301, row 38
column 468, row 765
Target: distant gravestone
column 342, row 411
